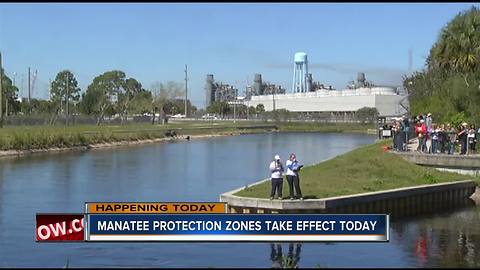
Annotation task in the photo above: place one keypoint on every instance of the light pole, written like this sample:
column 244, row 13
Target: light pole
column 186, row 91
column 235, row 106
column 66, row 102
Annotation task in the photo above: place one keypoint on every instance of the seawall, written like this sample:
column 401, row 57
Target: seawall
column 398, row 202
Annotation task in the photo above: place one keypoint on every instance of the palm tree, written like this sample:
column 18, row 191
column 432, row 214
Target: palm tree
column 458, row 48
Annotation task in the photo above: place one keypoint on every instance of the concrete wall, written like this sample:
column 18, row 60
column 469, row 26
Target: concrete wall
column 442, row 160
column 397, row 202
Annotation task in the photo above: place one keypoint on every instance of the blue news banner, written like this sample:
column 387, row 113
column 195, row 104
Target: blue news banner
column 237, row 227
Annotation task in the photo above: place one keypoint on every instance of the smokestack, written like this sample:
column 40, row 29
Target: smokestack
column 257, row 84
column 309, row 82
column 360, row 79
column 210, row 91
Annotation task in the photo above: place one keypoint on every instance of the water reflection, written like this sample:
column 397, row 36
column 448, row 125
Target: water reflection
column 448, row 239
column 198, row 170
column 201, row 170
column 291, row 260
column 276, row 255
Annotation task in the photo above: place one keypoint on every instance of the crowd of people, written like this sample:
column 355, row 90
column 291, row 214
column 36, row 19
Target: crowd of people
column 434, row 138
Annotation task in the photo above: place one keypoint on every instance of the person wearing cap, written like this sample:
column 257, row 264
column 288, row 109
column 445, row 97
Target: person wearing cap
column 276, row 168
column 462, row 137
column 293, row 167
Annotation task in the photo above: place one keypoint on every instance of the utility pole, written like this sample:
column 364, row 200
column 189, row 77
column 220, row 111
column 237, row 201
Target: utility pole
column 14, row 86
column 247, row 103
column 235, row 107
column 29, row 88
column 1, row 91
column 66, row 103
column 186, row 79
column 273, row 99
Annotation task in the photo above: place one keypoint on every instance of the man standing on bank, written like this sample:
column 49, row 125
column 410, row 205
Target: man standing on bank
column 293, row 178
column 277, row 170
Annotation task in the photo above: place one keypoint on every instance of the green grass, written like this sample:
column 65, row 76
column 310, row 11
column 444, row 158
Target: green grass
column 42, row 137
column 365, row 169
column 327, row 127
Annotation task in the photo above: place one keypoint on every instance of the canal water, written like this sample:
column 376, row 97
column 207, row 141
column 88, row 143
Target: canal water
column 200, row 170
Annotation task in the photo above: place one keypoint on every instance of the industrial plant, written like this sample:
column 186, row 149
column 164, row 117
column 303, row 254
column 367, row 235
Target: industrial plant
column 219, row 91
column 308, row 96
column 262, row 88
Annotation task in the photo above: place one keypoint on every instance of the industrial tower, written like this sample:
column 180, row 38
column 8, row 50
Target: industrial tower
column 300, row 73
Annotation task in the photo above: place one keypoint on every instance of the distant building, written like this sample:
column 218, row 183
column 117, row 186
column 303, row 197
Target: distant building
column 261, row 88
column 219, row 91
column 322, row 98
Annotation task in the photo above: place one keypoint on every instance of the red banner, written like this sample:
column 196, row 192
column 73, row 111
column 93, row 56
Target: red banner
column 60, row 227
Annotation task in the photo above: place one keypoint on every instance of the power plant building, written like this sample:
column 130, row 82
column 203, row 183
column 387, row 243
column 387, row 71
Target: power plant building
column 218, row 91
column 261, row 88
column 309, row 96
column 385, row 99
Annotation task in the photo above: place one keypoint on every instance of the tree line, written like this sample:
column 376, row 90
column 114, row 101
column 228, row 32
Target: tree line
column 111, row 94
column 449, row 85
column 223, row 109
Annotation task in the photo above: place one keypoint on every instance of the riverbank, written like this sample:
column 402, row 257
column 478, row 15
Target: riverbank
column 366, row 169
column 14, row 153
column 25, row 140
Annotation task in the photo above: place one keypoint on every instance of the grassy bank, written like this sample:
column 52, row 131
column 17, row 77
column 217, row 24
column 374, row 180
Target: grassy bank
column 365, row 169
column 328, row 127
column 43, row 137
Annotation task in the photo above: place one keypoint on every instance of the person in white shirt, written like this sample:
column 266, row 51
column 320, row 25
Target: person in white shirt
column 293, row 166
column 277, row 170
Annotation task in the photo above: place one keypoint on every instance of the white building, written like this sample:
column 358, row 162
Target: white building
column 385, row 99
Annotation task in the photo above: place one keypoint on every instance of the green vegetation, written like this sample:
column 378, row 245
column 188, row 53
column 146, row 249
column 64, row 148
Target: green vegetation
column 110, row 94
column 365, row 169
column 42, row 137
column 64, row 89
column 35, row 137
column 327, row 127
column 366, row 114
column 449, row 86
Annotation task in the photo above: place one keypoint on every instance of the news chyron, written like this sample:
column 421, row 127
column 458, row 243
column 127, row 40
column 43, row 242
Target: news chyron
column 203, row 222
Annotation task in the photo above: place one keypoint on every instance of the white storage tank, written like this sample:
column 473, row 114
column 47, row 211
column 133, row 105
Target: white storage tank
column 364, row 91
column 383, row 90
column 300, row 57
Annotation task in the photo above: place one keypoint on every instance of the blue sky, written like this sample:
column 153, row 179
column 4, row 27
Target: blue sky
column 152, row 42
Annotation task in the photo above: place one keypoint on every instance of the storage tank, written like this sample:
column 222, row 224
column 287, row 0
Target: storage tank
column 210, row 91
column 383, row 90
column 300, row 57
column 363, row 91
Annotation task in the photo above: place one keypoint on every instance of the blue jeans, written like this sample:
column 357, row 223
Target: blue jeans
column 451, row 148
column 434, row 146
